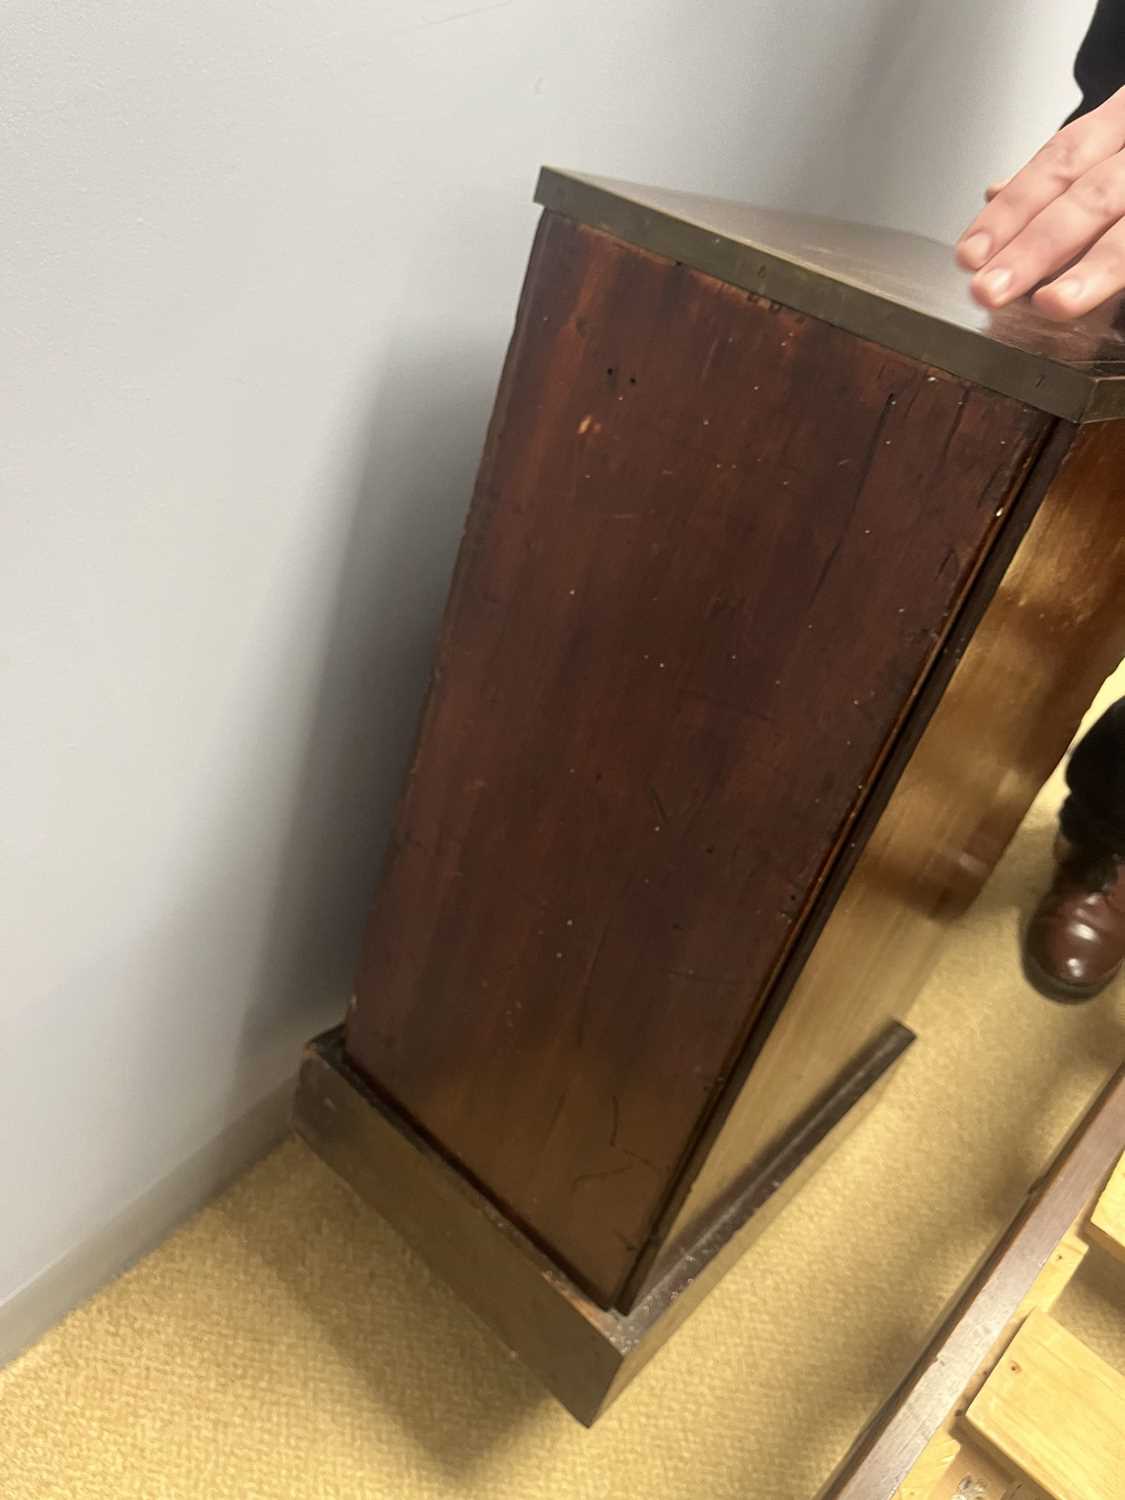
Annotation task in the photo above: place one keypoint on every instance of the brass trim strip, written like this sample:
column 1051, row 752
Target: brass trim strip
column 1078, row 394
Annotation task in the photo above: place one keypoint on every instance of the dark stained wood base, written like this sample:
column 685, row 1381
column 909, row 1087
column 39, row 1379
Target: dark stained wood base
column 584, row 1354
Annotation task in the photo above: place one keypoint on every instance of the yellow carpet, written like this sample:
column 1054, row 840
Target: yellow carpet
column 284, row 1343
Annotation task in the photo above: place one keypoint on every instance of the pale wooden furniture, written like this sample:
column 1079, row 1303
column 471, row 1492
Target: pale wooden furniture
column 1107, row 1222
column 1055, row 1413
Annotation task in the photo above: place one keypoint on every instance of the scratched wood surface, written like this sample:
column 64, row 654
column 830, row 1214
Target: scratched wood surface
column 712, row 548
column 1033, row 665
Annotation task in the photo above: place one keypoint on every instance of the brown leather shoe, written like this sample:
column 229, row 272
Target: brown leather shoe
column 1075, row 942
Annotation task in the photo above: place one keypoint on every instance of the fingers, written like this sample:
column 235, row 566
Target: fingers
column 1084, row 286
column 1071, row 153
column 1065, row 158
column 1056, row 236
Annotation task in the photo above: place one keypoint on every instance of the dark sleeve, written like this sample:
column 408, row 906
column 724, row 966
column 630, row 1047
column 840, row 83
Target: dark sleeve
column 1099, row 69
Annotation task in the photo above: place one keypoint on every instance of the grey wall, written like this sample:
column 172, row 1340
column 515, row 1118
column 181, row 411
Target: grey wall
column 258, row 266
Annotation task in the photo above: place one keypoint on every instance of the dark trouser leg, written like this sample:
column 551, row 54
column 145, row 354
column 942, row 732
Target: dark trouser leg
column 1094, row 813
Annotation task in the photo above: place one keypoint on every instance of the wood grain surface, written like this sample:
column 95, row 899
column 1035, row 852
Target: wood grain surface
column 1055, row 1412
column 1107, row 1222
column 714, row 546
column 1052, row 632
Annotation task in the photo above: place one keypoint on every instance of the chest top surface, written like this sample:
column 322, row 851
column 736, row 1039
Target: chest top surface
column 899, row 290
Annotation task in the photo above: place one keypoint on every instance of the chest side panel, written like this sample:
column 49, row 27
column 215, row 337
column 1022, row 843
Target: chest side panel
column 713, row 546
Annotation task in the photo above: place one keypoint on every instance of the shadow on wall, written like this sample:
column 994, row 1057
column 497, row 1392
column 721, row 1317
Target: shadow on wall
column 411, row 496
column 891, row 156
column 828, row 170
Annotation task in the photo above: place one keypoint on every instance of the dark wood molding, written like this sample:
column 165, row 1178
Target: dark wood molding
column 584, row 1354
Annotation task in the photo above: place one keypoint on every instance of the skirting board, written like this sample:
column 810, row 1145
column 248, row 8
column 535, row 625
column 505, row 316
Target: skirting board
column 112, row 1248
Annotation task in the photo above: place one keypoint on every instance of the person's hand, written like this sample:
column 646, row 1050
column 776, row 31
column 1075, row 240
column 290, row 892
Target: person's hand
column 1062, row 213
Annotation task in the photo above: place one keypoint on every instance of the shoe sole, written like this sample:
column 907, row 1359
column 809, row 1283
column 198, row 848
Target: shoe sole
column 1058, row 990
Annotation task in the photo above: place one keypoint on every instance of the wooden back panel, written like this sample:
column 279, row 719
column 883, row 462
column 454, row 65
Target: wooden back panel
column 714, row 546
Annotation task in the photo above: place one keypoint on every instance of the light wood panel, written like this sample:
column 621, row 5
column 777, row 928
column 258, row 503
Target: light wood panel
column 1107, row 1222
column 922, row 1481
column 1056, row 1411
column 1053, row 1279
column 975, row 1475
